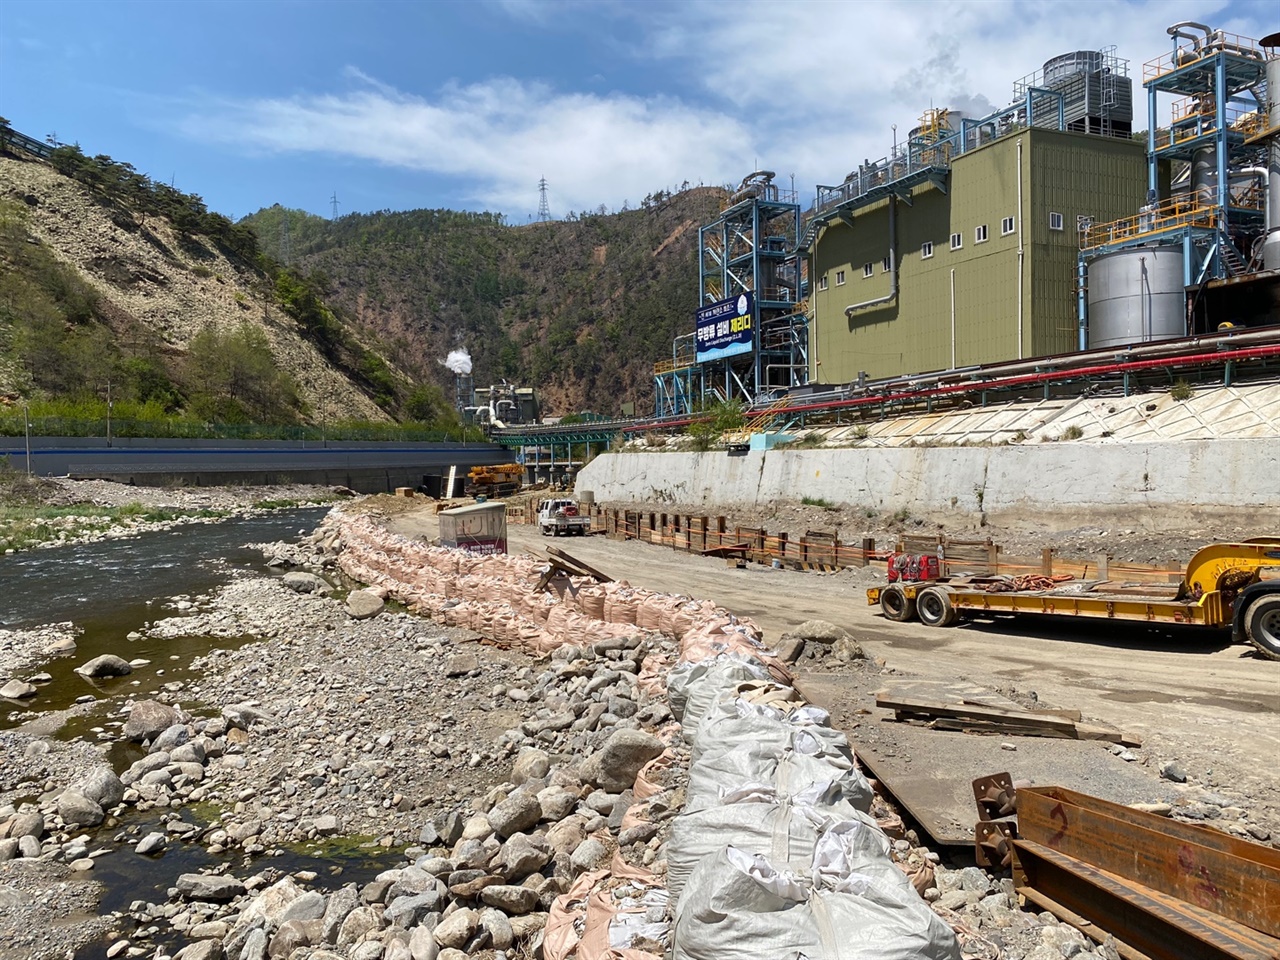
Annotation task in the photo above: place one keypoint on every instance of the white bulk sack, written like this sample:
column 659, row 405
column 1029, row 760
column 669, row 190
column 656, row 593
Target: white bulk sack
column 730, row 766
column 756, row 820
column 693, row 687
column 852, row 905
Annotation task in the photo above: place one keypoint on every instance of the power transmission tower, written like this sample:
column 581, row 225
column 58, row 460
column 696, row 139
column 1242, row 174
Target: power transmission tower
column 333, row 203
column 544, row 211
column 286, row 254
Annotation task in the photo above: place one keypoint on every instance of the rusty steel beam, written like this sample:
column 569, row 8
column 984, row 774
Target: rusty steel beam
column 1232, row 878
column 1148, row 924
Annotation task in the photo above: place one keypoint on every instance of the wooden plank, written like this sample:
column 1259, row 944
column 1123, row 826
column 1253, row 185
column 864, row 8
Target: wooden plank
column 1073, row 715
column 999, row 718
column 727, row 549
column 962, row 711
column 1003, row 729
column 589, row 570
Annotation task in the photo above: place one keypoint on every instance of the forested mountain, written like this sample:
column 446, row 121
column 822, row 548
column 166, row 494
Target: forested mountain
column 578, row 308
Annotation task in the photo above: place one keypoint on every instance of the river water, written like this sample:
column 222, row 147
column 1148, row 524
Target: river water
column 113, row 588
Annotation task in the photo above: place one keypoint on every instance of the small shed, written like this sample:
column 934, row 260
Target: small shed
column 476, row 528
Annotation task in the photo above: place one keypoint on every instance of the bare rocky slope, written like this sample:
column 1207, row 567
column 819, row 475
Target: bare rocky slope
column 167, row 284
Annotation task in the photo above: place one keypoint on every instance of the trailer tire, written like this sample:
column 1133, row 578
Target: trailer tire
column 896, row 605
column 934, row 608
column 1262, row 625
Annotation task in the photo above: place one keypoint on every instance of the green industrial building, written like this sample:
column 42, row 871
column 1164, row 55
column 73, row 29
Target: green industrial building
column 984, row 241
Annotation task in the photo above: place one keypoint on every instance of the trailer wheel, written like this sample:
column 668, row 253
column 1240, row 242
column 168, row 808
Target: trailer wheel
column 896, row 605
column 934, row 607
column 1262, row 625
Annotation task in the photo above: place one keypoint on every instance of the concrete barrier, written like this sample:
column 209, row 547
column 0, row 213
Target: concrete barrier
column 1147, row 485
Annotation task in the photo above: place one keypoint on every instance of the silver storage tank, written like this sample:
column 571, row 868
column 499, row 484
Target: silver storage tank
column 1136, row 296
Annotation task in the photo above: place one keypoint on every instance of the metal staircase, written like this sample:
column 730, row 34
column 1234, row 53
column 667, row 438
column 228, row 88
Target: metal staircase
column 763, row 420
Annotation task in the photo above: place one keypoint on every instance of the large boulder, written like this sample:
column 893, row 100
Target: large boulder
column 26, row 825
column 519, row 812
column 614, row 766
column 215, row 889
column 17, row 690
column 101, row 785
column 363, row 604
column 509, row 898
column 148, row 719
column 77, row 810
column 300, row 582
column 531, row 764
column 457, row 928
column 107, row 665
column 521, row 856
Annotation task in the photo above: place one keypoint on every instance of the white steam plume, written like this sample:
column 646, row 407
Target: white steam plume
column 459, row 361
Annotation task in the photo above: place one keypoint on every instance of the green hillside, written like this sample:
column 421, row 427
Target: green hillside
column 579, row 308
column 118, row 288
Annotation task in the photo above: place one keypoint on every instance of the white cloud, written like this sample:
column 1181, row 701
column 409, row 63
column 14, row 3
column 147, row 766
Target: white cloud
column 829, row 79
column 498, row 138
column 809, row 88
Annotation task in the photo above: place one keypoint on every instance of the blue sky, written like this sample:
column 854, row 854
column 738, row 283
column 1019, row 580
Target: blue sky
column 466, row 105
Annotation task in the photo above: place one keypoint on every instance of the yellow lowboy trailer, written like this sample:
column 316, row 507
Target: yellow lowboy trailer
column 1234, row 585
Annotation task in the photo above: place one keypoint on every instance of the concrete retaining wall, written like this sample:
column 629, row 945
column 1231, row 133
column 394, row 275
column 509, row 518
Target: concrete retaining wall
column 1149, row 485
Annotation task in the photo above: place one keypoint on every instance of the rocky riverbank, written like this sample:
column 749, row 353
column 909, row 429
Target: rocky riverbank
column 43, row 512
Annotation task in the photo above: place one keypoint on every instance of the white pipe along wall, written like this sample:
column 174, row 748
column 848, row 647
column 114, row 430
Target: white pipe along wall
column 1147, row 485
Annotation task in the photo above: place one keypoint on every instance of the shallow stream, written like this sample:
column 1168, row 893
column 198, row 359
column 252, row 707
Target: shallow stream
column 111, row 589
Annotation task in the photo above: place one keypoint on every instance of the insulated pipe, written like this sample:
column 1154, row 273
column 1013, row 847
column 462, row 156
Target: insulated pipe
column 1021, row 250
column 1028, row 380
column 1177, row 31
column 893, row 264
column 953, row 318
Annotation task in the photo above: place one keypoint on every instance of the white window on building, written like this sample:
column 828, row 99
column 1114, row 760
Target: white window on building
column 980, row 234
column 822, row 282
column 1055, row 221
column 957, row 241
column 1006, row 226
column 926, row 250
column 839, row 277
column 885, row 265
column 868, row 270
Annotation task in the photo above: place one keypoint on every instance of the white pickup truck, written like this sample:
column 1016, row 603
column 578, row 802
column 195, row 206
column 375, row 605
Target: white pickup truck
column 560, row 518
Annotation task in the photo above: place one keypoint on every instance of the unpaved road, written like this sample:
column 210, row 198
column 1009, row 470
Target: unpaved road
column 1189, row 693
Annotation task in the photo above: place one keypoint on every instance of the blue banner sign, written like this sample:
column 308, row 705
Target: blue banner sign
column 726, row 328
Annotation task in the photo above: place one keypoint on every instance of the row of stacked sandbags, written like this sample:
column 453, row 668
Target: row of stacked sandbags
column 496, row 596
column 775, row 852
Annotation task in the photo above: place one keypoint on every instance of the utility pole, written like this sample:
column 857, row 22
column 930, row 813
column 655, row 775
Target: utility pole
column 333, row 204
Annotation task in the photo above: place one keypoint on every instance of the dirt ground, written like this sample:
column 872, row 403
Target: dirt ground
column 1193, row 697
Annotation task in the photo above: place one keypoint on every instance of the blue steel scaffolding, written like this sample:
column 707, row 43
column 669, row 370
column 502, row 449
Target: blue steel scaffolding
column 749, row 249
